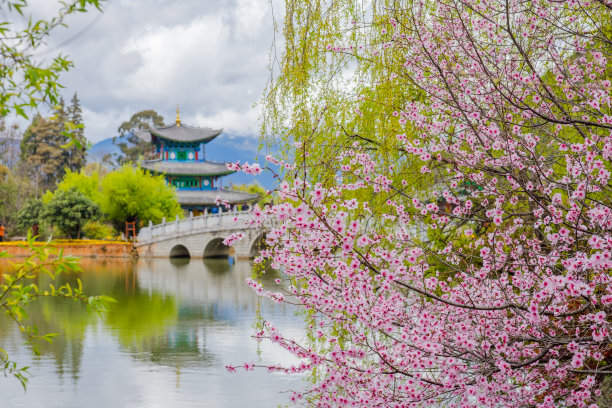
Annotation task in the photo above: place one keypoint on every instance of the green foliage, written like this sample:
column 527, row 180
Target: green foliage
column 122, row 195
column 41, row 153
column 30, row 214
column 76, row 148
column 134, row 148
column 19, row 288
column 98, row 168
column 26, row 80
column 254, row 188
column 70, row 320
column 143, row 120
column 98, row 230
column 323, row 101
column 48, row 150
column 7, row 189
column 87, row 184
column 131, row 193
column 15, row 189
column 70, row 210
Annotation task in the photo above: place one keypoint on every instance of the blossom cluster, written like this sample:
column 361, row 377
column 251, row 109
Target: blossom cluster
column 254, row 169
column 492, row 286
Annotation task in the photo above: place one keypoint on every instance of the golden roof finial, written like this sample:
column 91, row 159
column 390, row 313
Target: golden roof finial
column 178, row 118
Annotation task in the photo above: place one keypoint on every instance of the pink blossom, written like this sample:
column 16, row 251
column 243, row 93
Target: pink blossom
column 478, row 277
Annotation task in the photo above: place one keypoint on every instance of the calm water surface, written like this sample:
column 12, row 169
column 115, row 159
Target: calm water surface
column 164, row 344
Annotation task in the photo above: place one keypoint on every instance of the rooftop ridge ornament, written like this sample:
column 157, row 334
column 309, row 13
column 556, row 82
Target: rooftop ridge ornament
column 178, row 117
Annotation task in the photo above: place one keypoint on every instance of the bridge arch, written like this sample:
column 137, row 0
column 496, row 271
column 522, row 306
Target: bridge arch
column 200, row 237
column 179, row 251
column 216, row 249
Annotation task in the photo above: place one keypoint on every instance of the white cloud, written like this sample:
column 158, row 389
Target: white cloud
column 209, row 56
column 232, row 121
column 103, row 122
column 249, row 15
column 172, row 59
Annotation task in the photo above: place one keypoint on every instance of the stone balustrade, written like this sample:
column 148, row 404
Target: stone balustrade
column 230, row 220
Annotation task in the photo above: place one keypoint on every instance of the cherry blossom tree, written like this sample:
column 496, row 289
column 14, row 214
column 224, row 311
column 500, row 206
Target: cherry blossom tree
column 491, row 285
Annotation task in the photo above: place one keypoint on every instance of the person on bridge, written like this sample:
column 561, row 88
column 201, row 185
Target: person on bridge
column 2, row 229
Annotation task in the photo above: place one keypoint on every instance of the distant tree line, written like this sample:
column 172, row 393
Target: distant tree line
column 47, row 148
column 132, row 147
column 52, row 145
column 47, row 186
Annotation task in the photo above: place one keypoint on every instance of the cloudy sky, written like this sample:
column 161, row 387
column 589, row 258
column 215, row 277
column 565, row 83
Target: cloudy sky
column 209, row 56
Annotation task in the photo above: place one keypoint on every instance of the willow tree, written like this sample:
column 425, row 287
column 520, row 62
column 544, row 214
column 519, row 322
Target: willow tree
column 332, row 88
column 512, row 114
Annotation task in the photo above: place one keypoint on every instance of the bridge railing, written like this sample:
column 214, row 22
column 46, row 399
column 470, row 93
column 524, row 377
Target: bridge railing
column 230, row 219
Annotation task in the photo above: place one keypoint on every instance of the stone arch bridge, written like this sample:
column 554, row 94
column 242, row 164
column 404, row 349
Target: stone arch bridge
column 200, row 237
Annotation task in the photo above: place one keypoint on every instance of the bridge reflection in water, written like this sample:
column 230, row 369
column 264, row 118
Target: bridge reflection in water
column 176, row 324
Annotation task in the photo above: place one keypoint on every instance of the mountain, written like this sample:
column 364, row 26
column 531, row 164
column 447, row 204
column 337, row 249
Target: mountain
column 232, row 148
column 96, row 152
column 225, row 148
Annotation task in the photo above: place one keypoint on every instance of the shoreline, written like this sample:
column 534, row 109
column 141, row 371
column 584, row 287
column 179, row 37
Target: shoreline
column 80, row 248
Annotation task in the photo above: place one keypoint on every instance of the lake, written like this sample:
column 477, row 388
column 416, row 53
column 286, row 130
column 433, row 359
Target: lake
column 165, row 343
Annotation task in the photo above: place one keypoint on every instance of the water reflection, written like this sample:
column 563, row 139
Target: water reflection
column 165, row 342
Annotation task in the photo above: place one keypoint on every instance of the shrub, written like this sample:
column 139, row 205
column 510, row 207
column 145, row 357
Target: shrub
column 98, row 230
column 69, row 211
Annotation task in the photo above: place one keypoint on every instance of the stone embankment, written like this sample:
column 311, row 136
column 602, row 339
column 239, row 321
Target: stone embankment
column 80, row 248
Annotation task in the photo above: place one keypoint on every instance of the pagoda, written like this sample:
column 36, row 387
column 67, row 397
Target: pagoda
column 180, row 155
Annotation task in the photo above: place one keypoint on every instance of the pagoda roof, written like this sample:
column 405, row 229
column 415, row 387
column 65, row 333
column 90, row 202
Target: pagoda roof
column 191, row 168
column 180, row 133
column 209, row 197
